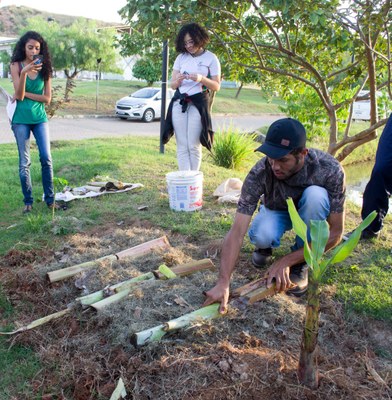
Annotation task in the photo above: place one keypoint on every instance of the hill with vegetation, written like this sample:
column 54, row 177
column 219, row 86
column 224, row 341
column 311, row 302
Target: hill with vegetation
column 14, row 18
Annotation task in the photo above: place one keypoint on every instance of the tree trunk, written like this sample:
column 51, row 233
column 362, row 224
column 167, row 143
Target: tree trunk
column 239, row 91
column 307, row 367
column 69, row 86
column 211, row 99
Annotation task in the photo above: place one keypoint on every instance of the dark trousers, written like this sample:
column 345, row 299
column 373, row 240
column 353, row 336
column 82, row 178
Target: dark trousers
column 379, row 188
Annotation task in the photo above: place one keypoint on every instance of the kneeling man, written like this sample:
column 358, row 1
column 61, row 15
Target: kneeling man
column 312, row 178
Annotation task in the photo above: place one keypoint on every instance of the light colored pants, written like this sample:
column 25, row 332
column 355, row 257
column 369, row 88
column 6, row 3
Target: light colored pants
column 269, row 226
column 187, row 128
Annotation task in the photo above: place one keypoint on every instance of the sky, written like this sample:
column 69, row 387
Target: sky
column 102, row 10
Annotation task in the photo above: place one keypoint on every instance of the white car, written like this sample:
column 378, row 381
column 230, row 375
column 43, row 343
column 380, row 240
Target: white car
column 145, row 104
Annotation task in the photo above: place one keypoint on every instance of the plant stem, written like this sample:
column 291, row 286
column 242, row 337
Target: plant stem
column 307, row 367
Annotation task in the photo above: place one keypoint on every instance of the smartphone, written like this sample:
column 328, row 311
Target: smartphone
column 38, row 58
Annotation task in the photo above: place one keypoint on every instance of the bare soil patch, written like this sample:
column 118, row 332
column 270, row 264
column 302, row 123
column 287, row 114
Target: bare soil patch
column 248, row 355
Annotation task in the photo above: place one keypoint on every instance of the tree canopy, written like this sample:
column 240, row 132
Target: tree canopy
column 77, row 47
column 334, row 48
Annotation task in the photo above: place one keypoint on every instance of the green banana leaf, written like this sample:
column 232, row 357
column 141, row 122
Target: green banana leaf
column 319, row 234
column 300, row 229
column 341, row 252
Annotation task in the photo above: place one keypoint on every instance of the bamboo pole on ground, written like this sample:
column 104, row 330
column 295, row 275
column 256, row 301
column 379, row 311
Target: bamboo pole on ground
column 133, row 252
column 252, row 292
column 156, row 333
column 189, row 268
column 100, row 294
column 39, row 322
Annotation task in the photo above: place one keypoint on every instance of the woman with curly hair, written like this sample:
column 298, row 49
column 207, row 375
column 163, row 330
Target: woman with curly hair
column 31, row 71
column 196, row 72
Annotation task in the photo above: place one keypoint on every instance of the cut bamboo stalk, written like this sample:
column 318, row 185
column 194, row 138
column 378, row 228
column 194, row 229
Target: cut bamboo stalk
column 181, row 270
column 119, row 392
column 160, row 243
column 100, row 294
column 166, row 272
column 98, row 300
column 65, row 273
column 114, row 298
column 131, row 282
column 189, row 268
column 91, row 298
column 142, row 338
column 208, row 312
column 156, row 333
column 260, row 294
column 249, row 287
column 133, row 252
column 39, row 322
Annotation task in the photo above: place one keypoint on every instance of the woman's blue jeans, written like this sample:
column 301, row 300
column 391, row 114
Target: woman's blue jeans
column 269, row 226
column 41, row 133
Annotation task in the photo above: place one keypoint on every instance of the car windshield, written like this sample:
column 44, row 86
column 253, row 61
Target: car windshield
column 145, row 93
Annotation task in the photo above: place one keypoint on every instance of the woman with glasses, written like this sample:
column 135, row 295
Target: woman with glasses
column 196, row 72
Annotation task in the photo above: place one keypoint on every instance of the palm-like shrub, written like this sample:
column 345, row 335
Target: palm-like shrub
column 231, row 147
column 318, row 262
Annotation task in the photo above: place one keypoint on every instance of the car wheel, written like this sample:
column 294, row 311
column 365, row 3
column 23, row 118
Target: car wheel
column 148, row 115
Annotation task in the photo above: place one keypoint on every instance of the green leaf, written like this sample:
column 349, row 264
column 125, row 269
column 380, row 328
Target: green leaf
column 341, row 252
column 299, row 226
column 314, row 18
column 319, row 234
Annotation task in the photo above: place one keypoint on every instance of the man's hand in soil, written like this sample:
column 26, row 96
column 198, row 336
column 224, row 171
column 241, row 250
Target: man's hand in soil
column 219, row 293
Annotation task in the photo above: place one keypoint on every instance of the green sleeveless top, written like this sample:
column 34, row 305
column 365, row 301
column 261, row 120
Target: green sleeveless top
column 30, row 111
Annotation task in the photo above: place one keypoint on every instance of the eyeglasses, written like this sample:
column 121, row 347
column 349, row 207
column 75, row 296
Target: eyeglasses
column 189, row 43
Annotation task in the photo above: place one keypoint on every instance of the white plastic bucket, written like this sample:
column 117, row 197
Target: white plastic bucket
column 185, row 190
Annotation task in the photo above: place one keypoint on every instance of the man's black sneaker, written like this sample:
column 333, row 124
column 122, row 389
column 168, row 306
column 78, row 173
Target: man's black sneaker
column 299, row 276
column 261, row 257
column 365, row 235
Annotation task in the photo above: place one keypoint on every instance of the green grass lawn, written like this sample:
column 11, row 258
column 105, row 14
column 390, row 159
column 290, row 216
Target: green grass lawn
column 139, row 160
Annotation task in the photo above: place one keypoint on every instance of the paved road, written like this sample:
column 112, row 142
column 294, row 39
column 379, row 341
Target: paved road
column 86, row 128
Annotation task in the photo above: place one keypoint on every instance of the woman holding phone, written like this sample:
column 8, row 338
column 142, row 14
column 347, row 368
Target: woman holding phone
column 196, row 72
column 31, row 71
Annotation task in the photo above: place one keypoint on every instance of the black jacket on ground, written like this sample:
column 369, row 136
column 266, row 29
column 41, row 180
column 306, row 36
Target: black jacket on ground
column 200, row 101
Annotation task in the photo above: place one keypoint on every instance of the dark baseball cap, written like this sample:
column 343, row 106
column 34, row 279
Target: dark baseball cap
column 283, row 136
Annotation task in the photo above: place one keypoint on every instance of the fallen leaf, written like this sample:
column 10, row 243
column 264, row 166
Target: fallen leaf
column 138, row 312
column 181, row 302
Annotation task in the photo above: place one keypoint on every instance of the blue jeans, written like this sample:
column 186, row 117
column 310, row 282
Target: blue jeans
column 269, row 226
column 41, row 134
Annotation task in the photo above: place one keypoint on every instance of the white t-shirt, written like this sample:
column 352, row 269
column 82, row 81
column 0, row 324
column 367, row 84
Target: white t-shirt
column 205, row 64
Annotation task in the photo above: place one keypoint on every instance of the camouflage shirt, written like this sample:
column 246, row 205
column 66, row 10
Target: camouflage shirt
column 319, row 169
